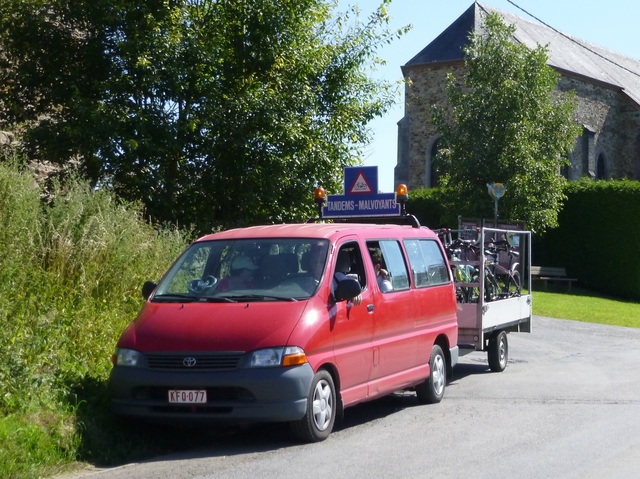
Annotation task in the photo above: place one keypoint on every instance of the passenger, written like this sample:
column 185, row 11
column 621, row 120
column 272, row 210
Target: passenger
column 241, row 277
column 382, row 275
column 384, row 280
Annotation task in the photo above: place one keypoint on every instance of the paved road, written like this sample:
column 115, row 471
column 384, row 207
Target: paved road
column 567, row 406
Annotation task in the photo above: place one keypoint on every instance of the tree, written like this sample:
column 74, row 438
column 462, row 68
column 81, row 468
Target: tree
column 506, row 124
column 211, row 112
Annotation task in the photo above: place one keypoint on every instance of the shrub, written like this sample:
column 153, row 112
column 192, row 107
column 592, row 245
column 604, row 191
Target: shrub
column 427, row 204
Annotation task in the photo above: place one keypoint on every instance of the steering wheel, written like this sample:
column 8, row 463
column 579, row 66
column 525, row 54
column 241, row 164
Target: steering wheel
column 197, row 286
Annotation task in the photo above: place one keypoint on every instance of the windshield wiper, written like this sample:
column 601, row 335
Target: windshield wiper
column 257, row 297
column 187, row 298
column 178, row 297
column 217, row 299
column 227, row 298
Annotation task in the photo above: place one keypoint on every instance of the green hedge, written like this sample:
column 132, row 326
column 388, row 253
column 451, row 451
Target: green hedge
column 598, row 240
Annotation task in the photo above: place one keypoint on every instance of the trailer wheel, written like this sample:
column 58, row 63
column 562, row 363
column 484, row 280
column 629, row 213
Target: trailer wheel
column 431, row 390
column 498, row 352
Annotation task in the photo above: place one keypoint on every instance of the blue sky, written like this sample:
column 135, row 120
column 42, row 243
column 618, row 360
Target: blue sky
column 614, row 24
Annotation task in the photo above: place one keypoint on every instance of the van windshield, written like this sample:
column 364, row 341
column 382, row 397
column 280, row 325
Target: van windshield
column 273, row 269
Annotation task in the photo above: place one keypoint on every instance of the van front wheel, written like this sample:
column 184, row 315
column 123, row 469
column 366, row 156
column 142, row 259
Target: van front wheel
column 318, row 421
column 431, row 391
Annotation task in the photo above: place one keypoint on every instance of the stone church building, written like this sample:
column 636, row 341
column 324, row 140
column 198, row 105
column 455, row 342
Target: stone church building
column 607, row 87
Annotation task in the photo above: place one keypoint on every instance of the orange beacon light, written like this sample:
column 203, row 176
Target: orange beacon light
column 320, row 197
column 402, row 196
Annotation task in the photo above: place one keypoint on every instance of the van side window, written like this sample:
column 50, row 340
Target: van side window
column 428, row 265
column 350, row 263
column 392, row 267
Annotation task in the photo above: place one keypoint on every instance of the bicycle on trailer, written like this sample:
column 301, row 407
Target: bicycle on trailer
column 500, row 282
column 507, row 278
column 462, row 253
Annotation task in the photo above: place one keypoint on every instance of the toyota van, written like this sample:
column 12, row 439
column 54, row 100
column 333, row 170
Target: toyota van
column 290, row 323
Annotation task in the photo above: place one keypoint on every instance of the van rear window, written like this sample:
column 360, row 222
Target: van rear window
column 428, row 265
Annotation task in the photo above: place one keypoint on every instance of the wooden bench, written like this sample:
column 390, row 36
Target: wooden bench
column 547, row 274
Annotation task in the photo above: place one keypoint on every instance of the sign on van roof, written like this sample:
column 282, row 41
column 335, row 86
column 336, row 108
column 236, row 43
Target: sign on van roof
column 361, row 196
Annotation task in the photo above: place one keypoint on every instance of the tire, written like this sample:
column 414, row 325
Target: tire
column 322, row 406
column 431, row 391
column 498, row 352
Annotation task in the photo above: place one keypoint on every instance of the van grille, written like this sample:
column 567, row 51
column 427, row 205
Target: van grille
column 203, row 362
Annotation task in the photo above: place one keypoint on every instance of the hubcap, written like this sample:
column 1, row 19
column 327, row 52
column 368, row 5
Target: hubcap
column 438, row 375
column 322, row 405
column 503, row 353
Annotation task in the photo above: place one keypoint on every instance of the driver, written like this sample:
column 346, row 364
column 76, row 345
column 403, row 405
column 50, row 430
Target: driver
column 241, row 277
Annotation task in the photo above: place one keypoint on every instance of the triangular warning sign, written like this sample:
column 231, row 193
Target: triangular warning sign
column 361, row 185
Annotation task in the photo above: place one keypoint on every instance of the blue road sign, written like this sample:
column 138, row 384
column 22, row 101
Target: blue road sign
column 361, row 180
column 361, row 196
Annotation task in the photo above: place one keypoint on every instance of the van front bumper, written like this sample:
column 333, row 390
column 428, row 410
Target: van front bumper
column 241, row 395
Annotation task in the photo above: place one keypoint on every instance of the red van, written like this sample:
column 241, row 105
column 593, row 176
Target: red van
column 290, row 323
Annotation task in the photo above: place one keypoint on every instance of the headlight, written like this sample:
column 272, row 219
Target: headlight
column 271, row 357
column 128, row 357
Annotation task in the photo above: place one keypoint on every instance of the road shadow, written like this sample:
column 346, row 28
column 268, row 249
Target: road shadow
column 462, row 370
column 231, row 440
column 108, row 441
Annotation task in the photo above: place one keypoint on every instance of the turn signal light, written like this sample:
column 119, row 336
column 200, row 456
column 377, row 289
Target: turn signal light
column 294, row 359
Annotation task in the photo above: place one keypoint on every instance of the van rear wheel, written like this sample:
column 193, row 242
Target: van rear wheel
column 431, row 391
column 322, row 406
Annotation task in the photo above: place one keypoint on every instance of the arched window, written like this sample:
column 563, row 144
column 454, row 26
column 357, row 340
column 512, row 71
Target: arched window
column 600, row 169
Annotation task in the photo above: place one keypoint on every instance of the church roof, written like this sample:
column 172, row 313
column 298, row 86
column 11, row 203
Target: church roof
column 567, row 54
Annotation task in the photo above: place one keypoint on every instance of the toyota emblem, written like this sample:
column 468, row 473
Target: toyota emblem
column 189, row 362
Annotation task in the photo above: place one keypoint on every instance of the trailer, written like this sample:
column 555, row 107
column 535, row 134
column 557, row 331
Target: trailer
column 485, row 317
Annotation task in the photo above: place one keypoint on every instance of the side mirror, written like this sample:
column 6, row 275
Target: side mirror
column 347, row 289
column 147, row 289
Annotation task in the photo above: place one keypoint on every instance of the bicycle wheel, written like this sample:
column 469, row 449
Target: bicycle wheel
column 517, row 284
column 491, row 286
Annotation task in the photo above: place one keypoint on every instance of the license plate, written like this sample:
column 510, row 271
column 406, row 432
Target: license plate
column 187, row 396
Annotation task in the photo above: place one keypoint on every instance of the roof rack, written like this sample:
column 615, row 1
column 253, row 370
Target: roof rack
column 381, row 220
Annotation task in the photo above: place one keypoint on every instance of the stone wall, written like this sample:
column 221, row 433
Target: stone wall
column 416, row 133
column 611, row 127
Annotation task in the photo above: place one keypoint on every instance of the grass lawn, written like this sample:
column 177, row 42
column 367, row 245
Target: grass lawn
column 583, row 305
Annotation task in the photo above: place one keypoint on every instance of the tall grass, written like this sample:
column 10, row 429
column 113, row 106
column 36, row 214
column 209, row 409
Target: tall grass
column 70, row 278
